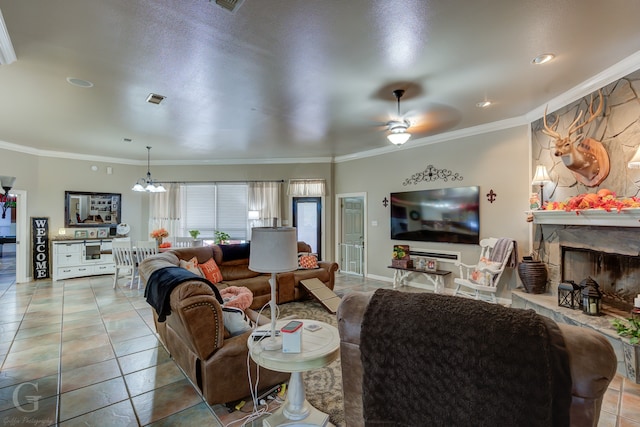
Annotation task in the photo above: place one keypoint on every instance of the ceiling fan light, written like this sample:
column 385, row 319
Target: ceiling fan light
column 398, row 138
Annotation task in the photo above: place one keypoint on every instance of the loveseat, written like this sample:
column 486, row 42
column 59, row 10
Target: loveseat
column 591, row 362
column 233, row 261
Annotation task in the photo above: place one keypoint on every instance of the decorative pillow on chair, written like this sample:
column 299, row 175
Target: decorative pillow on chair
column 479, row 275
column 192, row 266
column 211, row 271
column 307, row 261
column 236, row 321
column 237, row 296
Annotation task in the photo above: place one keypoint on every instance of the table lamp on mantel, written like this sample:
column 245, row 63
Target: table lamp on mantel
column 273, row 250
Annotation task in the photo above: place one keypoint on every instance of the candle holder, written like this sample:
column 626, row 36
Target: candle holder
column 591, row 297
column 569, row 295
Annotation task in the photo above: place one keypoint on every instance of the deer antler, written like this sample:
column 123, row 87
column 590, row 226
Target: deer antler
column 592, row 116
column 551, row 131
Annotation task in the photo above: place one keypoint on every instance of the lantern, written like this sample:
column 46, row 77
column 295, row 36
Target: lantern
column 591, row 297
column 569, row 294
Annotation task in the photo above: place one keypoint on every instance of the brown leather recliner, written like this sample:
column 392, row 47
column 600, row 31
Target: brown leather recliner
column 592, row 364
column 194, row 335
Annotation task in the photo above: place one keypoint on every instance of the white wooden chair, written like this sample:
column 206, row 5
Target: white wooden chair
column 144, row 249
column 183, row 242
column 124, row 258
column 480, row 281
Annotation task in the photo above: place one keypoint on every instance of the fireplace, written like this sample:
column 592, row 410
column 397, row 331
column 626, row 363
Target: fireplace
column 609, row 255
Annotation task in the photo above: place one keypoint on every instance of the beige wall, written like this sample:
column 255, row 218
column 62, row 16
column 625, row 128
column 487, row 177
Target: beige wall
column 497, row 161
column 45, row 179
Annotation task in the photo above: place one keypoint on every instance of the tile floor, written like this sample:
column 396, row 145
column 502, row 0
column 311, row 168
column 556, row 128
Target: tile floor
column 81, row 353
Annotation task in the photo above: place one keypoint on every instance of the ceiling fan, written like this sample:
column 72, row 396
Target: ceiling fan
column 398, row 134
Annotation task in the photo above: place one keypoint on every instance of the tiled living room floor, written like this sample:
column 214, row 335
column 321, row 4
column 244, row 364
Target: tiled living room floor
column 90, row 355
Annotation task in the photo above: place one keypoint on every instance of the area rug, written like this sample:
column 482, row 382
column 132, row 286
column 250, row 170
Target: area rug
column 323, row 386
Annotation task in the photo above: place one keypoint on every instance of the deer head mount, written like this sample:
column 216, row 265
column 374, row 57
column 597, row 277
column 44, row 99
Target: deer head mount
column 586, row 158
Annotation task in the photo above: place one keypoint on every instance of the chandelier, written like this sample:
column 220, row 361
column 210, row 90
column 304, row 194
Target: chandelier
column 147, row 184
column 7, row 200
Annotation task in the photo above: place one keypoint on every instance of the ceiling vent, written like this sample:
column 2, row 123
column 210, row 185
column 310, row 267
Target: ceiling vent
column 154, row 98
column 230, row 5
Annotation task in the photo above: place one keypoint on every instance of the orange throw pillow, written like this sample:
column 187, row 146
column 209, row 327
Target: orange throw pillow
column 211, row 271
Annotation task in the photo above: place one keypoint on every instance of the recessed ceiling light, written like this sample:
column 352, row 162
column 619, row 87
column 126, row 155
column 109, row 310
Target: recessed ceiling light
column 483, row 104
column 543, row 59
column 79, row 82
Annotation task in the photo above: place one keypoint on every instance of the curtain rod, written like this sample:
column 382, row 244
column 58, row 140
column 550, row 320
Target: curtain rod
column 218, row 182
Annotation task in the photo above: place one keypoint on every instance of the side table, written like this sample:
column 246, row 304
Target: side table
column 319, row 348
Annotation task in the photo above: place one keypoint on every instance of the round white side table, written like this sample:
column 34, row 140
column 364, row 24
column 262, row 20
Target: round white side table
column 319, row 348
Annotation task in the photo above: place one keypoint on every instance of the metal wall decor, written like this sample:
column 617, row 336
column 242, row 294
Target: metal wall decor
column 385, row 202
column 433, row 174
column 491, row 196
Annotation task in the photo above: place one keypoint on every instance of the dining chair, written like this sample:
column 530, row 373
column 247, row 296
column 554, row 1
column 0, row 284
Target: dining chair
column 183, row 242
column 144, row 249
column 124, row 258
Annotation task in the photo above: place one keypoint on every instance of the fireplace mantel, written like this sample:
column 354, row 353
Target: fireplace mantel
column 598, row 217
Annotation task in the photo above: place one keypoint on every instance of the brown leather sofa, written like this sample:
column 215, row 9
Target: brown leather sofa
column 233, row 261
column 592, row 364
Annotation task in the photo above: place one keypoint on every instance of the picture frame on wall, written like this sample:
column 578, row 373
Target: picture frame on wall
column 431, row 264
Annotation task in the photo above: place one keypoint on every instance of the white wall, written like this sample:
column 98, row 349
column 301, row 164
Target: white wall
column 497, row 161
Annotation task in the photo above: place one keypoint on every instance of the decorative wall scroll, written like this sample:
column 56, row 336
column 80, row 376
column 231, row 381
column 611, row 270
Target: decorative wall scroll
column 433, row 174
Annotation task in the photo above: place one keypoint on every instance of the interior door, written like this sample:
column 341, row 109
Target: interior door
column 352, row 238
column 307, row 220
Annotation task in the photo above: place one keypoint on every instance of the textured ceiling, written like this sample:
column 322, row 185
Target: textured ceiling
column 288, row 78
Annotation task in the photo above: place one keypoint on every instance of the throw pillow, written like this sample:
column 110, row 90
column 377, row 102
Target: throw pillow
column 211, row 271
column 192, row 266
column 236, row 321
column 307, row 261
column 479, row 275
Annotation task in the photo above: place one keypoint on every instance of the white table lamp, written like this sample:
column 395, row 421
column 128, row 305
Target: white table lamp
column 541, row 178
column 273, row 250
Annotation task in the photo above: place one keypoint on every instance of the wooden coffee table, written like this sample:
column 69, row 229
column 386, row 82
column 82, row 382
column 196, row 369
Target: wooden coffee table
column 319, row 348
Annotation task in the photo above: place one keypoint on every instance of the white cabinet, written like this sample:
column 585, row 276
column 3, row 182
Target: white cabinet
column 77, row 258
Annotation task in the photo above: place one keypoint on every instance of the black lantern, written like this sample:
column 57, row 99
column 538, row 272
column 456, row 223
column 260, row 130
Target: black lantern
column 569, row 294
column 591, row 297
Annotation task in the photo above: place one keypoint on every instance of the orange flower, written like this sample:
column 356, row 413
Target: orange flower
column 160, row 232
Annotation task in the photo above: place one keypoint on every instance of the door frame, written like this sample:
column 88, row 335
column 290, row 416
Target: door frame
column 323, row 223
column 338, row 228
column 22, row 237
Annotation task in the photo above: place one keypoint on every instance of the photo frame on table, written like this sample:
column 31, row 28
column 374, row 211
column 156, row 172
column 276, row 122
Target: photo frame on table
column 431, row 264
column 103, row 232
column 81, row 234
column 421, row 264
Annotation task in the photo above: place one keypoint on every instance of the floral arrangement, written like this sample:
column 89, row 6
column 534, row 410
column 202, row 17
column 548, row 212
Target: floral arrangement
column 604, row 199
column 159, row 233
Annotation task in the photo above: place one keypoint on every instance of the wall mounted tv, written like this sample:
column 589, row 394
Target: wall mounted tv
column 450, row 215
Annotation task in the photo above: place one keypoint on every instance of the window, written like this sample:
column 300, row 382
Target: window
column 210, row 207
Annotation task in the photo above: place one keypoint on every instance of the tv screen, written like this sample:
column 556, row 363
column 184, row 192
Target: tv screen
column 450, row 215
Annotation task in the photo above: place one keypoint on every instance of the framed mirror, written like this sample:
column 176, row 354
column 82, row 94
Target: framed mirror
column 86, row 209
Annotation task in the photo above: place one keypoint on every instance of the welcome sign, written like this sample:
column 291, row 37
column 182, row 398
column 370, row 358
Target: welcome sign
column 40, row 245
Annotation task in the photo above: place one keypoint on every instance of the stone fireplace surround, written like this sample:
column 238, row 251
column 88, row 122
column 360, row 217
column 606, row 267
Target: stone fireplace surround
column 609, row 254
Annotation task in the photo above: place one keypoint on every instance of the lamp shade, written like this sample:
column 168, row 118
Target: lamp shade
column 273, row 250
column 7, row 182
column 541, row 177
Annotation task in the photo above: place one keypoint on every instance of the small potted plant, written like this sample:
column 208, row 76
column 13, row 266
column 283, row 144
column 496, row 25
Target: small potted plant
column 221, row 237
column 194, row 235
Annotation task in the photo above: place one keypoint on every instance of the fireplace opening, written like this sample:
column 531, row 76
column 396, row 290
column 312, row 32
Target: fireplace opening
column 617, row 275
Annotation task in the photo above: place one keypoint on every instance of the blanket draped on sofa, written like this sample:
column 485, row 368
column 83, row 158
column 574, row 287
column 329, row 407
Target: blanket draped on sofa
column 439, row 360
column 163, row 281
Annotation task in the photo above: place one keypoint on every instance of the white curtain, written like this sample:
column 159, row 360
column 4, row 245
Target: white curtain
column 264, row 197
column 307, row 187
column 164, row 210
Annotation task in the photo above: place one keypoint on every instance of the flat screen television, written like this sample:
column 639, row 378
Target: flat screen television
column 449, row 215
